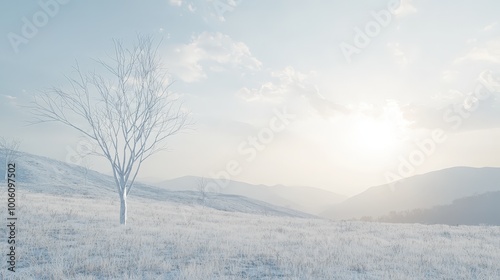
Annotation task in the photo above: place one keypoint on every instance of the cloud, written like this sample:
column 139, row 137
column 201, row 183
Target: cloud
column 402, row 57
column 10, row 97
column 289, row 83
column 11, row 100
column 471, row 41
column 489, row 26
column 405, row 8
column 449, row 75
column 177, row 3
column 488, row 52
column 398, row 54
column 216, row 50
column 268, row 92
column 460, row 111
column 285, row 82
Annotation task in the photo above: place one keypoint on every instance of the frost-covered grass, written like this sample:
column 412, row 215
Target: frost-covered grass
column 79, row 238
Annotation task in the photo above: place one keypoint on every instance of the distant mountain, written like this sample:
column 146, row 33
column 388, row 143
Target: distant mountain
column 304, row 199
column 44, row 175
column 472, row 210
column 422, row 191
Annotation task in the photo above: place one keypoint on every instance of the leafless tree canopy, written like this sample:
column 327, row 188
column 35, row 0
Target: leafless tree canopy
column 128, row 109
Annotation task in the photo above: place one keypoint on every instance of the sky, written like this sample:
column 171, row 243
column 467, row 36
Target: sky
column 338, row 95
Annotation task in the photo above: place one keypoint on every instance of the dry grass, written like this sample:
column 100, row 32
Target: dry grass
column 79, row 238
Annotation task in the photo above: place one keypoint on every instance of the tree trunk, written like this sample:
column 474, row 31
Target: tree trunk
column 123, row 207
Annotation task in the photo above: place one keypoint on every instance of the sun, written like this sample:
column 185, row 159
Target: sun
column 374, row 137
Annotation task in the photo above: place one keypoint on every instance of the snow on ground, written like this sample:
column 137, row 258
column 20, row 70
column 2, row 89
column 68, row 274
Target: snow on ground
column 68, row 229
column 80, row 238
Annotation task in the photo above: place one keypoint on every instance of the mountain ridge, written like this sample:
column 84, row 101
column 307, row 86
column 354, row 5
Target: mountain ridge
column 435, row 188
column 305, row 199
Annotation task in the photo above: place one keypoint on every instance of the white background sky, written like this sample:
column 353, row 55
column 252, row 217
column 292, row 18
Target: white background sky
column 355, row 119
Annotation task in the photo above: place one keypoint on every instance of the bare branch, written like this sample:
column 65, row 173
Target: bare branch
column 127, row 109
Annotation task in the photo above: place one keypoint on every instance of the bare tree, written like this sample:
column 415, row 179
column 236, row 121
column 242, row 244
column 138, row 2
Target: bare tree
column 128, row 111
column 10, row 150
column 201, row 186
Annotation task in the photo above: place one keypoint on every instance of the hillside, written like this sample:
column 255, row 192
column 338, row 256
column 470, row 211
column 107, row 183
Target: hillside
column 47, row 176
column 70, row 230
column 304, row 199
column 64, row 237
column 473, row 210
column 422, row 191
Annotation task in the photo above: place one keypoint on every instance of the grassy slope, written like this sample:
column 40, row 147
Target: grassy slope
column 79, row 238
column 44, row 175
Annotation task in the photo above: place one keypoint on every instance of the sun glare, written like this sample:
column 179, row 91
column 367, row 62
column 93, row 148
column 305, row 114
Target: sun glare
column 374, row 137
